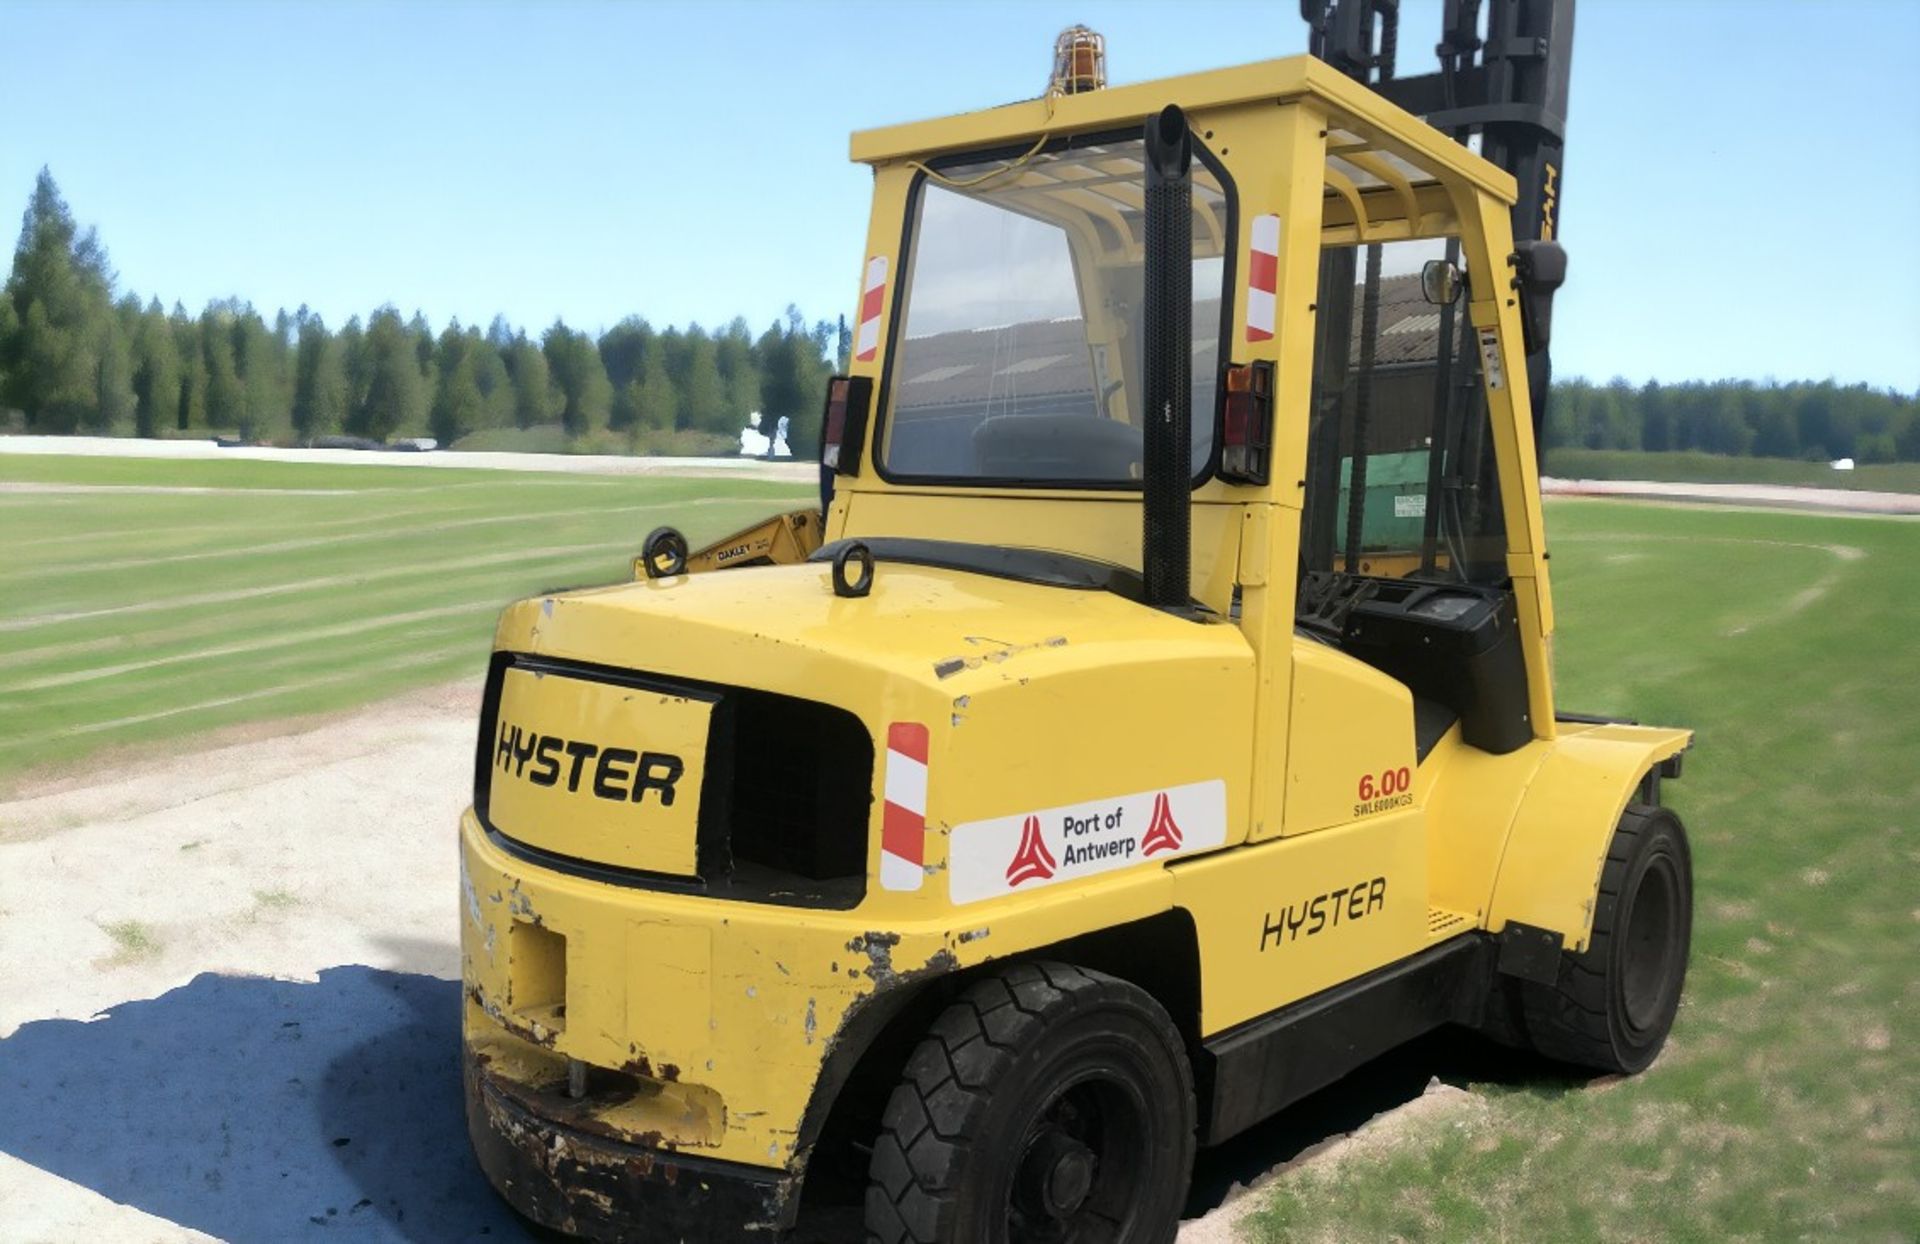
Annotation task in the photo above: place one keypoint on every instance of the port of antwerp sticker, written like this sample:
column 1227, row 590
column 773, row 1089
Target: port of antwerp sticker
column 1029, row 850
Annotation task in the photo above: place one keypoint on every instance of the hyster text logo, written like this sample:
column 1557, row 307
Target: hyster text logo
column 1030, row 849
column 1324, row 911
column 618, row 773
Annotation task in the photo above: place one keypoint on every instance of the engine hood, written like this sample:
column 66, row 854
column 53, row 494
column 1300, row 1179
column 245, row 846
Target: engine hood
column 781, row 628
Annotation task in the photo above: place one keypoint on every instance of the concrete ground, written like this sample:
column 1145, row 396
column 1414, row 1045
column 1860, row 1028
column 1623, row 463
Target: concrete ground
column 228, row 1004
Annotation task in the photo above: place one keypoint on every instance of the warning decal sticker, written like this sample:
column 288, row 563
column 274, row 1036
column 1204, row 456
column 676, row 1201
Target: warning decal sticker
column 1029, row 850
column 903, row 819
column 872, row 298
column 1490, row 359
column 1263, row 271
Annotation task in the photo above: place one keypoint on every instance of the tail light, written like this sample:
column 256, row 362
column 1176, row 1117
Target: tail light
column 844, row 425
column 1246, row 438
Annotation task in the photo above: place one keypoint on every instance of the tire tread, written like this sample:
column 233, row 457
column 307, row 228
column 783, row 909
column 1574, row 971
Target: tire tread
column 1568, row 1020
column 968, row 1048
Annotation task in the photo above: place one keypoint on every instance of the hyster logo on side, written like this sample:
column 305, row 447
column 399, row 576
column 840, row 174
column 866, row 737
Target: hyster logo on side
column 620, row 774
column 1309, row 917
column 1028, row 850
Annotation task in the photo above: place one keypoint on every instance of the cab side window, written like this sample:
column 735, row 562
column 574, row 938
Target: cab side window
column 1400, row 468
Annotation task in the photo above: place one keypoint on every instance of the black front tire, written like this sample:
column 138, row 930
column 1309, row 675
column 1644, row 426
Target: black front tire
column 1614, row 1003
column 1047, row 1104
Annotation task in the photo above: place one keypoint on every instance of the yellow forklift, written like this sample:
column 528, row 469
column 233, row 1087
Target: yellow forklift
column 1156, row 723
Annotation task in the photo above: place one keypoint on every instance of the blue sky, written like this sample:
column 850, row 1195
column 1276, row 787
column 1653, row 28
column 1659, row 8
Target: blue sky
column 1743, row 178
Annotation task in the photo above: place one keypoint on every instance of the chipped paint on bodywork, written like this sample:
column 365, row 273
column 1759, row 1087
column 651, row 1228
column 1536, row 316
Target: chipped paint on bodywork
column 878, row 948
column 742, row 1024
column 474, row 916
column 577, row 1181
column 996, row 652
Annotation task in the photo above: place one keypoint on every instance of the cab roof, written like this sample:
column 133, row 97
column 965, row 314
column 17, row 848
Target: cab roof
column 1353, row 110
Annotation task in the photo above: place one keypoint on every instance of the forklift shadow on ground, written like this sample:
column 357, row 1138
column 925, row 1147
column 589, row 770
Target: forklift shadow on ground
column 261, row 1110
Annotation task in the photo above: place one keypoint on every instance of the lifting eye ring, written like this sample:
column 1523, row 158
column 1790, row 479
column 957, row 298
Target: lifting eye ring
column 663, row 553
column 853, row 550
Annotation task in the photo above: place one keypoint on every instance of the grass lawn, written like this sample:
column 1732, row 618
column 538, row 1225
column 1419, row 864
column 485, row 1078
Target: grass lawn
column 1786, row 1105
column 548, row 438
column 129, row 617
column 1692, row 467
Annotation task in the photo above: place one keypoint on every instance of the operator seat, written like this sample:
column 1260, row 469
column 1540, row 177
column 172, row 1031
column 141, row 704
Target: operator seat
column 1057, row 446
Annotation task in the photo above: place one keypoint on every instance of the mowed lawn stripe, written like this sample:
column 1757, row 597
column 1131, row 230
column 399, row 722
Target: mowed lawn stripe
column 104, row 699
column 290, row 683
column 86, row 706
column 227, row 530
column 331, row 568
column 143, row 535
column 484, row 492
column 333, row 690
column 67, row 568
column 405, row 661
column 152, row 615
column 296, row 587
column 432, row 584
column 306, row 617
column 99, row 586
column 281, row 639
column 248, row 473
column 249, row 549
column 122, row 527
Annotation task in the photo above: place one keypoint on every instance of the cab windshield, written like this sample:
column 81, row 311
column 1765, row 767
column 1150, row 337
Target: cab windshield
column 1018, row 359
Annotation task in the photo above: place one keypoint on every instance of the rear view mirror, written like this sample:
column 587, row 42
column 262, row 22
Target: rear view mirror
column 1441, row 282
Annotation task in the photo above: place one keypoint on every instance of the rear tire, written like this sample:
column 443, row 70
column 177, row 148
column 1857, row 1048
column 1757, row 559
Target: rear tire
column 1047, row 1104
column 1614, row 1003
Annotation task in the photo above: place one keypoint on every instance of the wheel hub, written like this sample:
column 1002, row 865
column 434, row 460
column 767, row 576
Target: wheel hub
column 1057, row 1174
column 1650, row 935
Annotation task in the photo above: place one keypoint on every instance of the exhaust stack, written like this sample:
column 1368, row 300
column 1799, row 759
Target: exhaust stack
column 1166, row 363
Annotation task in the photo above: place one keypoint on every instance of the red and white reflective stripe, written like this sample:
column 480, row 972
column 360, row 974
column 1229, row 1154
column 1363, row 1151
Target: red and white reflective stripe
column 872, row 294
column 1263, row 269
column 903, row 818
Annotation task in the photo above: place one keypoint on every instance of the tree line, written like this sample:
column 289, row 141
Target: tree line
column 1816, row 420
column 76, row 356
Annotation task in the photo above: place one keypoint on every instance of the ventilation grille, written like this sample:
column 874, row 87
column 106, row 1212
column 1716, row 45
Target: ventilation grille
column 800, row 786
column 1444, row 923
